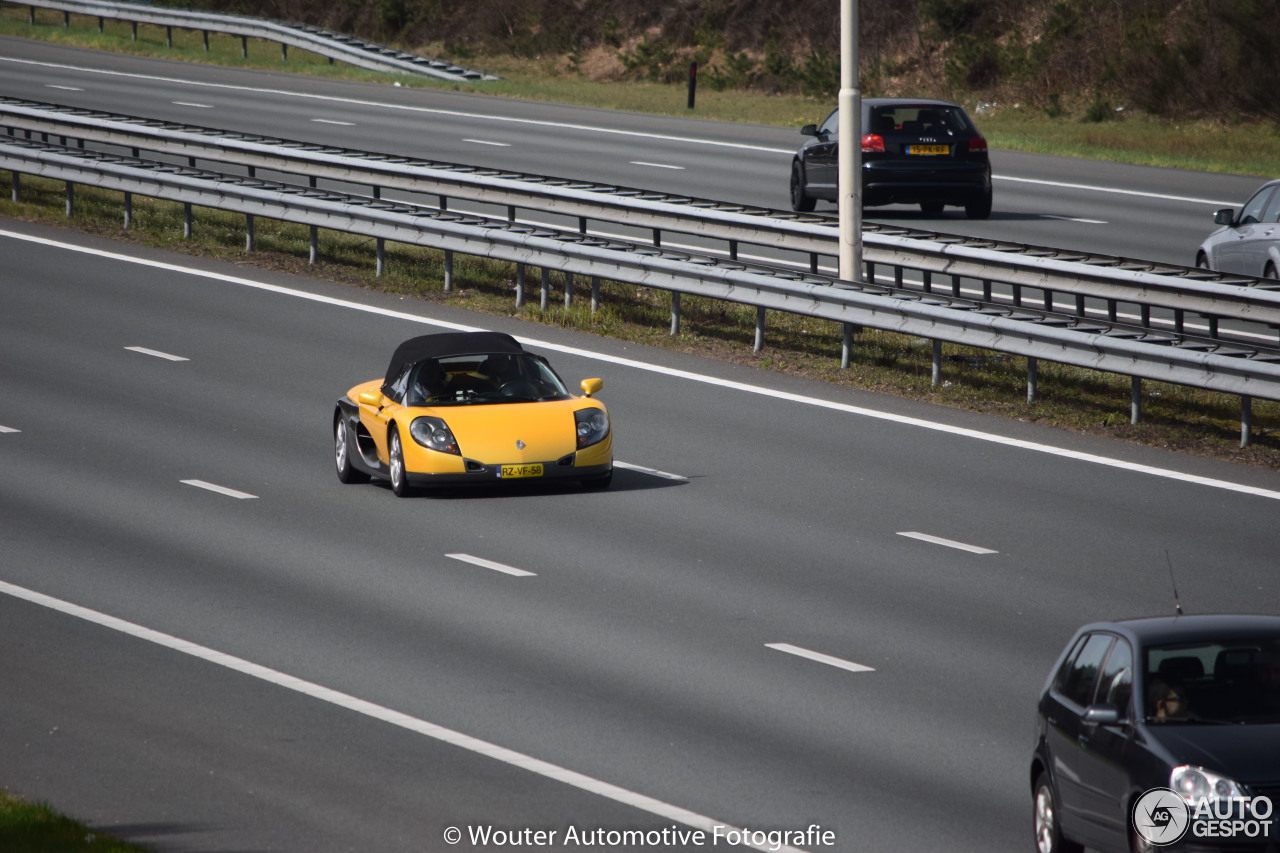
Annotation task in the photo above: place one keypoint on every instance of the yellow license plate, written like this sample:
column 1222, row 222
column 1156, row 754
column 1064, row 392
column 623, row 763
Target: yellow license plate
column 515, row 471
column 930, row 150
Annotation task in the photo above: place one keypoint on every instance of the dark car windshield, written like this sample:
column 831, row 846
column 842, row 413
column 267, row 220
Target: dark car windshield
column 482, row 379
column 1227, row 682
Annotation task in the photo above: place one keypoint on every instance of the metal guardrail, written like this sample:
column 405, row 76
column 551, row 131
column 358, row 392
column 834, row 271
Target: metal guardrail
column 1020, row 331
column 335, row 46
column 1058, row 276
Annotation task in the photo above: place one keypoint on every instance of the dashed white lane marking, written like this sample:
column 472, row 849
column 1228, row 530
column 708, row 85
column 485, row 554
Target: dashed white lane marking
column 829, row 660
column 490, row 564
column 193, row 104
column 862, row 411
column 222, row 490
column 63, row 88
column 652, row 472
column 395, row 718
column 334, row 121
column 488, row 142
column 949, row 543
column 657, row 165
column 157, row 353
column 5, row 429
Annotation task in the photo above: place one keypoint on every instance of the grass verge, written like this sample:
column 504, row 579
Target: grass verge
column 1084, row 401
column 35, row 828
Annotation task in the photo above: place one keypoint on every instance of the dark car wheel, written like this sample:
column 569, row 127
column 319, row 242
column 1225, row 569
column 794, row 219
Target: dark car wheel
column 1270, row 271
column 979, row 208
column 801, row 202
column 395, row 454
column 342, row 456
column 1048, row 834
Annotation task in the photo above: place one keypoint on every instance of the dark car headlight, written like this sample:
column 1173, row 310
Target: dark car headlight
column 434, row 434
column 1194, row 784
column 593, row 426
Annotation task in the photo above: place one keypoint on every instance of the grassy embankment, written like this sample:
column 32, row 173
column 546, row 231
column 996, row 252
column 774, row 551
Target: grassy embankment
column 1175, row 417
column 30, row 828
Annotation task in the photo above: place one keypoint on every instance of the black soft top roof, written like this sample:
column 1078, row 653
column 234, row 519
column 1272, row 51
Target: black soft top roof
column 423, row 347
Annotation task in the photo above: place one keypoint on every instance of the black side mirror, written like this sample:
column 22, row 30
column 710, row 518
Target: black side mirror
column 1226, row 216
column 809, row 130
column 1102, row 714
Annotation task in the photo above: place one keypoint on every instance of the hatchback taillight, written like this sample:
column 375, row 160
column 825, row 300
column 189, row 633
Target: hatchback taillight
column 977, row 145
column 873, row 143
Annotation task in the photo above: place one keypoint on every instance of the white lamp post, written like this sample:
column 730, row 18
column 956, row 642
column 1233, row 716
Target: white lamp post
column 849, row 174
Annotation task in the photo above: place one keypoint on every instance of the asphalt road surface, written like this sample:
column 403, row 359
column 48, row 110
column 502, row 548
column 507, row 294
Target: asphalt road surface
column 798, row 606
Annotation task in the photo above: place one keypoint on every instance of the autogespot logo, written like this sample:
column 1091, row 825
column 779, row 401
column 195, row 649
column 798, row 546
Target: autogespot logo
column 1161, row 817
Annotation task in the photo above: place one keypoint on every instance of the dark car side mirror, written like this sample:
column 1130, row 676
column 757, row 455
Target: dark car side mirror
column 1102, row 714
column 1226, row 216
column 809, row 130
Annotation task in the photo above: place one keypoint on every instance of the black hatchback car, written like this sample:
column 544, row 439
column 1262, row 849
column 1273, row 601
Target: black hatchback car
column 1161, row 733
column 914, row 151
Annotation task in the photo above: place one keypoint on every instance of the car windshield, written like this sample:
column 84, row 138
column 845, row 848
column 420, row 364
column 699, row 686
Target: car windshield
column 1223, row 682
column 483, row 379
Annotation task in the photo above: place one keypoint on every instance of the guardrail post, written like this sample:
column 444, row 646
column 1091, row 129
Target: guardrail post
column 186, row 220
column 448, row 270
column 31, row 19
column 71, row 198
column 315, row 246
column 733, row 250
column 284, row 52
column 1213, row 326
column 955, row 285
column 244, row 47
column 382, row 257
column 1033, row 378
column 135, row 30
column 1246, row 420
column 568, row 289
column 16, row 190
column 759, row 344
column 206, row 41
column 927, row 280
column 519, row 285
column 675, row 313
column 595, row 293
column 871, row 273
column 846, row 345
column 936, row 377
column 249, row 236
column 99, row 24
column 546, row 288
column 66, row 20
column 1179, row 317
column 128, row 211
column 168, row 36
column 1135, row 401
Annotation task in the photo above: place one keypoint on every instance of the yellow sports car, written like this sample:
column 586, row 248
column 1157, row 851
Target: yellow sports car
column 471, row 407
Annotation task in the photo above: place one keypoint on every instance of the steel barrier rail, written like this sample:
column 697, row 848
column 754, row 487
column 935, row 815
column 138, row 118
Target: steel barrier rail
column 1056, row 273
column 315, row 39
column 1249, row 373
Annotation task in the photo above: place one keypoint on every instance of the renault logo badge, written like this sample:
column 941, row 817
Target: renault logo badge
column 519, row 444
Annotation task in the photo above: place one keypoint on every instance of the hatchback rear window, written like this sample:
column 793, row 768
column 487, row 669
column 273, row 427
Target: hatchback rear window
column 919, row 120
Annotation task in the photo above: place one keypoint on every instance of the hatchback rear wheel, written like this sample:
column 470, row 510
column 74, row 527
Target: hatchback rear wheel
column 979, row 208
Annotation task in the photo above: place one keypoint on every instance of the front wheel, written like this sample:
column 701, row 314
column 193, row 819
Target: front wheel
column 395, row 454
column 1270, row 271
column 801, row 202
column 1048, row 833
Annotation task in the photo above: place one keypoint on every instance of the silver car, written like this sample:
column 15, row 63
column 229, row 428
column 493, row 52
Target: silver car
column 1248, row 243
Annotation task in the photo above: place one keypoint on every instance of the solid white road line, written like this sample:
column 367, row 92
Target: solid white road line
column 490, row 564
column 387, row 715
column 5, row 429
column 653, row 472
column 222, row 490
column 157, row 353
column 950, row 543
column 963, row 432
column 820, row 657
